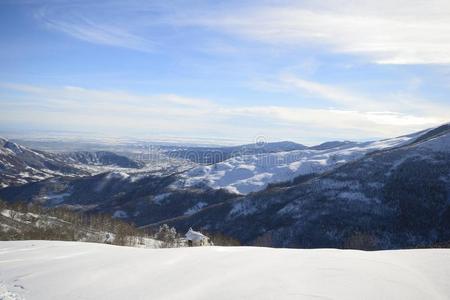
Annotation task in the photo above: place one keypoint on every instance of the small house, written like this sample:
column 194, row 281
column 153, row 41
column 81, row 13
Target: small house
column 195, row 238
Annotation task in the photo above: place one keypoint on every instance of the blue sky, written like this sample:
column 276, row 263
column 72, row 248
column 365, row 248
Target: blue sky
column 306, row 71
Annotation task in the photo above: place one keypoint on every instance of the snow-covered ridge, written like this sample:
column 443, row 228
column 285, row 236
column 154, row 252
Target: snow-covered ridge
column 73, row 270
column 251, row 173
column 20, row 165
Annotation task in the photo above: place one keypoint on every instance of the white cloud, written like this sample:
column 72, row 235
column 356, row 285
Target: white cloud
column 384, row 31
column 387, row 32
column 124, row 112
column 399, row 106
column 329, row 92
column 371, row 122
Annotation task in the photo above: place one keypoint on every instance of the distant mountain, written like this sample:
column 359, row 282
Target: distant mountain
column 100, row 158
column 212, row 155
column 19, row 165
column 253, row 172
column 269, row 147
column 333, row 144
column 394, row 197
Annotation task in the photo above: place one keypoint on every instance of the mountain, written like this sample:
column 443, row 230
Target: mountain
column 254, row 172
column 395, row 197
column 332, row 144
column 141, row 198
column 392, row 193
column 212, row 155
column 271, row 147
column 20, row 165
column 100, row 158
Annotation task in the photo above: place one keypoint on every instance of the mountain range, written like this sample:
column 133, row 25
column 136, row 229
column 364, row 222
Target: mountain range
column 20, row 165
column 388, row 198
column 392, row 193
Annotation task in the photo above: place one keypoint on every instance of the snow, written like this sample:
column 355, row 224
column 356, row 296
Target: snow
column 117, row 175
column 197, row 207
column 55, row 199
column 149, row 243
column 30, row 218
column 14, row 148
column 159, row 198
column 74, row 270
column 251, row 173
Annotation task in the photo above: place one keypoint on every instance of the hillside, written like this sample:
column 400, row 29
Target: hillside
column 140, row 198
column 21, row 165
column 21, row 222
column 391, row 198
column 100, row 158
column 71, row 270
column 212, row 155
column 247, row 173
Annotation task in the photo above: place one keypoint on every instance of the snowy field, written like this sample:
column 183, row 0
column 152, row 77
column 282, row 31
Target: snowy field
column 75, row 270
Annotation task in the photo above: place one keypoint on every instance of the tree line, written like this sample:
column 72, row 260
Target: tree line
column 31, row 221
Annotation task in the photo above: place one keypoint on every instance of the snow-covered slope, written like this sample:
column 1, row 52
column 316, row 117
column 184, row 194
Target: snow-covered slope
column 72, row 270
column 26, row 225
column 20, row 165
column 100, row 158
column 388, row 199
column 251, row 173
column 209, row 155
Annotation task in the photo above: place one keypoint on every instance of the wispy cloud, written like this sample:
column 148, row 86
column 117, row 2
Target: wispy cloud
column 393, row 104
column 77, row 22
column 325, row 91
column 79, row 108
column 386, row 32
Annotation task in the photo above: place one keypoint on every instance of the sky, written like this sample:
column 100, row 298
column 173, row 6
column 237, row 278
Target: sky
column 230, row 71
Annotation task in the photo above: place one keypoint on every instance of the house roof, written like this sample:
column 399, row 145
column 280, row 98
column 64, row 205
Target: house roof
column 192, row 235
